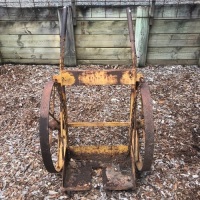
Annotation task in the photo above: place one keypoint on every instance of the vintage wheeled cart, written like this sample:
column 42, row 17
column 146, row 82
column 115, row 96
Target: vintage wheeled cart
column 119, row 163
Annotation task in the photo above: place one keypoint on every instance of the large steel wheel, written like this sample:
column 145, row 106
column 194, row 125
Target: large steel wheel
column 143, row 128
column 53, row 126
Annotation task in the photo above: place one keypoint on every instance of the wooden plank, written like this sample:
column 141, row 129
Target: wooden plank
column 103, row 19
column 30, row 61
column 27, row 14
column 101, row 27
column 84, row 12
column 29, row 27
column 30, row 41
column 174, row 11
column 89, row 13
column 102, row 62
column 30, row 53
column 125, row 53
column 98, row 12
column 112, row 13
column 171, row 62
column 102, row 41
column 173, row 49
column 176, row 26
column 173, row 53
column 123, row 15
column 70, row 50
column 174, row 40
column 103, row 53
column 141, row 35
column 105, row 62
column 155, row 40
column 189, row 11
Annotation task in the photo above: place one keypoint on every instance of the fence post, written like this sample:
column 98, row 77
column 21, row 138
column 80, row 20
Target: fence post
column 142, row 34
column 70, row 49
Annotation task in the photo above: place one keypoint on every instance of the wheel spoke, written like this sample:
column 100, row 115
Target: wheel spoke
column 52, row 115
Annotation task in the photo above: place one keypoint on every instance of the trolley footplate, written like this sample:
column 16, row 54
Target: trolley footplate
column 78, row 176
column 116, row 178
column 116, row 172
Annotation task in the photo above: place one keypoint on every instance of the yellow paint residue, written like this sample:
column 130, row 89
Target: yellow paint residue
column 65, row 78
column 97, row 78
column 98, row 150
column 128, row 77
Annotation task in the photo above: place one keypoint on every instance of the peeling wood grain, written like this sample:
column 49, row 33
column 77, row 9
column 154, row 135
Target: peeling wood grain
column 29, row 27
column 176, row 26
column 89, row 13
column 165, row 62
column 101, row 27
column 174, row 40
column 102, row 41
column 105, row 62
column 20, row 40
column 103, row 53
column 174, row 53
column 33, row 61
column 30, row 53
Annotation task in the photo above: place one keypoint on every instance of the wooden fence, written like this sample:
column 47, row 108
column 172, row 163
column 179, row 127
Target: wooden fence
column 169, row 35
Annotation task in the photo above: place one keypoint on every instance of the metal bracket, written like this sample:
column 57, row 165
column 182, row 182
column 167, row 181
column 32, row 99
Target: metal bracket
column 151, row 12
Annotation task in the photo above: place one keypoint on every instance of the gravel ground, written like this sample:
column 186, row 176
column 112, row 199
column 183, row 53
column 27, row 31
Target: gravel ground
column 176, row 99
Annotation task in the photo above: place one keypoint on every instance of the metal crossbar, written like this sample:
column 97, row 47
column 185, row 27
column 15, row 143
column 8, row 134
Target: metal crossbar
column 58, row 3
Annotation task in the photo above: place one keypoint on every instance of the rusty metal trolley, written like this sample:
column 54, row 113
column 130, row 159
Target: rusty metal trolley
column 119, row 163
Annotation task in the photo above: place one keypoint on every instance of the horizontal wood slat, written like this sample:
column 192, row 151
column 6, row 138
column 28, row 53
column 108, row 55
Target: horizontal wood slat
column 174, row 40
column 30, row 53
column 173, row 53
column 103, row 53
column 175, row 26
column 101, row 27
column 31, row 61
column 88, row 13
column 21, row 14
column 102, row 41
column 24, row 41
column 155, row 40
column 176, row 12
column 101, row 35
column 171, row 62
column 98, row 27
column 29, row 27
column 100, row 53
column 103, row 62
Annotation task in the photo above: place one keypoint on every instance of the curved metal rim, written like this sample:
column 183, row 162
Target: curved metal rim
column 148, row 128
column 43, row 128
